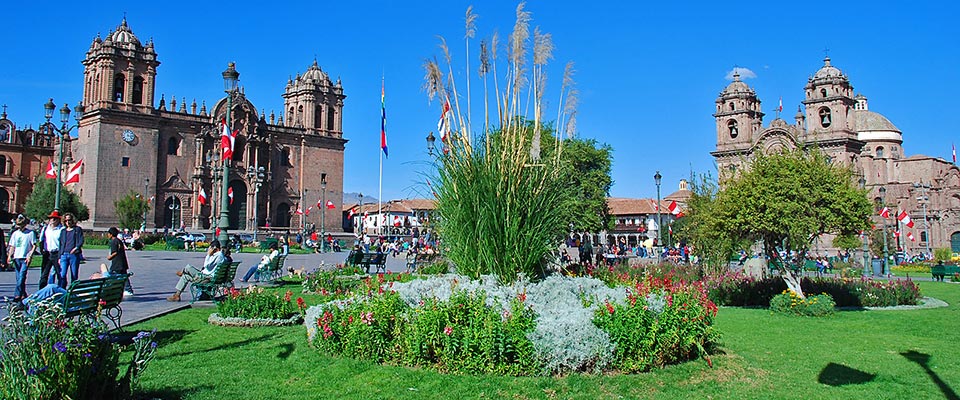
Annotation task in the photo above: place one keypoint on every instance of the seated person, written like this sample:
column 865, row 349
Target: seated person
column 264, row 262
column 190, row 274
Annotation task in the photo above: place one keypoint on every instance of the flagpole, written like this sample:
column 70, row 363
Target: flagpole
column 380, row 198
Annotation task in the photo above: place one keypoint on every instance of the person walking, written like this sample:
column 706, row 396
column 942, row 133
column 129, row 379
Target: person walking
column 189, row 274
column 50, row 249
column 20, row 253
column 118, row 259
column 71, row 249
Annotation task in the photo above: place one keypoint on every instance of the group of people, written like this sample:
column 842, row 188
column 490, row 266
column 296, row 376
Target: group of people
column 60, row 244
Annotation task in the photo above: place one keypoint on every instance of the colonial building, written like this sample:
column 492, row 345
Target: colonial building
column 399, row 217
column 23, row 154
column 130, row 141
column 840, row 123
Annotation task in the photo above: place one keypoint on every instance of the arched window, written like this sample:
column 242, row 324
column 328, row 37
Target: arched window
column 879, row 151
column 138, row 90
column 4, row 200
column 285, row 157
column 173, row 146
column 119, row 83
column 825, row 118
column 290, row 117
column 172, row 213
column 331, row 117
column 318, row 117
column 732, row 129
column 823, row 92
column 299, row 120
column 3, row 165
column 732, row 106
column 923, row 236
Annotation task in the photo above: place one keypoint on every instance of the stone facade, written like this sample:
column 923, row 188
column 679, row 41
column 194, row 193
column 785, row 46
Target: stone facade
column 841, row 125
column 23, row 155
column 173, row 151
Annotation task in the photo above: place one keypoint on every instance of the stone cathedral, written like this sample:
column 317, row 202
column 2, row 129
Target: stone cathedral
column 840, row 123
column 128, row 140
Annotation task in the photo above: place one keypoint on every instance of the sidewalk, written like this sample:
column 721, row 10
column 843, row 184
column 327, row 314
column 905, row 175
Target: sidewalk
column 154, row 277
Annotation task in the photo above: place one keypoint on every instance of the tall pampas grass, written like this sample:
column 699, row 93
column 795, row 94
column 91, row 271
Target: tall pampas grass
column 502, row 207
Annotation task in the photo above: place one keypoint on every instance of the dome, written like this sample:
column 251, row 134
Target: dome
column 737, row 86
column 868, row 121
column 314, row 74
column 828, row 71
column 123, row 35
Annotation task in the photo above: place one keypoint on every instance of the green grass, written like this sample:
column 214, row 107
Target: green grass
column 856, row 354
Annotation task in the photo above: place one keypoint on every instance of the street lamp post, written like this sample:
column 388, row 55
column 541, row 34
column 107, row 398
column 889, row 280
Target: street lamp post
column 923, row 199
column 146, row 193
column 256, row 174
column 883, row 201
column 230, row 78
column 323, row 212
column 362, row 216
column 64, row 132
column 431, row 143
column 866, row 251
column 656, row 178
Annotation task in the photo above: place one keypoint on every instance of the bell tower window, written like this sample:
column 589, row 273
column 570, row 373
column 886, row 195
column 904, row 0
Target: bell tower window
column 880, row 152
column 119, row 83
column 823, row 92
column 318, row 117
column 732, row 129
column 331, row 118
column 138, row 90
column 825, row 118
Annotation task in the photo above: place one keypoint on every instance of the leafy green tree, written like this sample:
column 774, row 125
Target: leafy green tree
column 704, row 228
column 130, row 209
column 40, row 202
column 850, row 241
column 787, row 201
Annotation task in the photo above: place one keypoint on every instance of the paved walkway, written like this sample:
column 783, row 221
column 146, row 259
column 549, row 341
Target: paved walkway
column 154, row 277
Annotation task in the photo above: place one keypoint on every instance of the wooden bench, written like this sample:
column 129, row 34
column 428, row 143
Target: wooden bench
column 272, row 271
column 366, row 260
column 217, row 285
column 265, row 244
column 941, row 271
column 84, row 297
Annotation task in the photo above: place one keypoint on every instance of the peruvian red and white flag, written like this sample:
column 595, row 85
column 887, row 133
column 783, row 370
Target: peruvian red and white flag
column 780, row 107
column 862, row 234
column 308, row 210
column 230, row 194
column 443, row 126
column 51, row 171
column 299, row 210
column 675, row 209
column 73, row 176
column 896, row 233
column 885, row 212
column 656, row 207
column 227, row 139
column 905, row 218
column 202, row 197
column 330, row 205
column 910, row 236
column 954, row 152
column 350, row 214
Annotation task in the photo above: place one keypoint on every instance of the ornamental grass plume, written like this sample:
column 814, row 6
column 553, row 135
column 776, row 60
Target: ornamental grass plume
column 502, row 198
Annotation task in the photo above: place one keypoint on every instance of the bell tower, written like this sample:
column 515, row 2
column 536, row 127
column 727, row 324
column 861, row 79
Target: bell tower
column 829, row 102
column 119, row 72
column 313, row 102
column 738, row 116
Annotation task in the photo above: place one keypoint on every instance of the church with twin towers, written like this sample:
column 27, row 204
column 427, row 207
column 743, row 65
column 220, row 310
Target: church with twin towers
column 131, row 138
column 839, row 122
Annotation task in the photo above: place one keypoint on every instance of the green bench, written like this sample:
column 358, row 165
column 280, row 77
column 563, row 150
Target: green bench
column 175, row 244
column 415, row 261
column 366, row 260
column 217, row 285
column 265, row 244
column 85, row 297
column 271, row 272
column 941, row 271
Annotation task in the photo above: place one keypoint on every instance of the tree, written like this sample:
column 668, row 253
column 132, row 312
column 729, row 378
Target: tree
column 40, row 202
column 703, row 227
column 587, row 169
column 787, row 201
column 130, row 210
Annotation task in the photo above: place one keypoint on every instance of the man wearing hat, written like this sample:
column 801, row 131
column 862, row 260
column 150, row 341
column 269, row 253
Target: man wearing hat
column 189, row 274
column 21, row 251
column 50, row 248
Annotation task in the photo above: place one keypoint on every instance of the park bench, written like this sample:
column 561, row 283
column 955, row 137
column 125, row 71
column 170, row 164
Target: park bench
column 265, row 244
column 271, row 272
column 416, row 261
column 366, row 260
column 216, row 285
column 941, row 271
column 84, row 297
column 174, row 244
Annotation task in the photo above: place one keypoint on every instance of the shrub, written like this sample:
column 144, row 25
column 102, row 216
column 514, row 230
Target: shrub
column 735, row 289
column 438, row 267
column 362, row 329
column 47, row 357
column 942, row 254
column 335, row 282
column 254, row 303
column 955, row 278
column 151, row 238
column 911, row 268
column 96, row 239
column 790, row 303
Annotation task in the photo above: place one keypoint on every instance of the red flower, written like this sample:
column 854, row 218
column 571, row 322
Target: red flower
column 522, row 296
column 448, row 330
column 300, row 303
column 101, row 303
column 287, row 296
column 610, row 307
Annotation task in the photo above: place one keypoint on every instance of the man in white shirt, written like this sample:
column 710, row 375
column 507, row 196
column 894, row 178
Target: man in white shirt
column 190, row 273
column 20, row 254
column 50, row 248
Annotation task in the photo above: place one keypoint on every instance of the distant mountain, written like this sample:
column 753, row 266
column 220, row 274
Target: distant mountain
column 354, row 198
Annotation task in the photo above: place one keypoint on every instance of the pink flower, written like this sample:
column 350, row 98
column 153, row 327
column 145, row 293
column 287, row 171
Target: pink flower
column 448, row 330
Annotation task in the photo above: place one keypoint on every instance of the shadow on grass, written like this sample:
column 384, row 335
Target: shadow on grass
column 226, row 346
column 172, row 394
column 166, row 337
column 838, row 375
column 286, row 351
column 923, row 360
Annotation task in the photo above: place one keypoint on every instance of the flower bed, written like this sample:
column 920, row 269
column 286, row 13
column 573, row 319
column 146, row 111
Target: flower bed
column 790, row 303
column 736, row 289
column 216, row 319
column 559, row 325
column 257, row 307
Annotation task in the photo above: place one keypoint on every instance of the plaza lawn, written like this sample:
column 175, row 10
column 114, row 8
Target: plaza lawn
column 854, row 354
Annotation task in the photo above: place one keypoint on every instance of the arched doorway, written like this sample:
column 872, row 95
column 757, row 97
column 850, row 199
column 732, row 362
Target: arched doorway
column 237, row 214
column 281, row 218
column 172, row 217
column 5, row 204
column 955, row 242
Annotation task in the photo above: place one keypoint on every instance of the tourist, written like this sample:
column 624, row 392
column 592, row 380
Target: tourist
column 118, row 260
column 20, row 253
column 71, row 250
column 189, row 274
column 264, row 262
column 50, row 249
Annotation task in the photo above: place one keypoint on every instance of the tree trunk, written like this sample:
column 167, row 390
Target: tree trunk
column 789, row 277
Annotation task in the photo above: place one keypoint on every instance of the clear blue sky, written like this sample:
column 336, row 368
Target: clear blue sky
column 648, row 72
